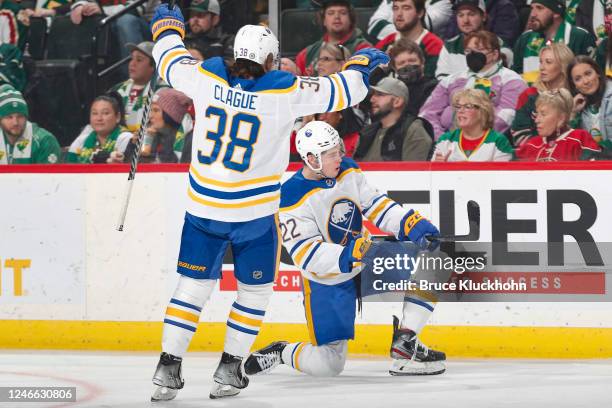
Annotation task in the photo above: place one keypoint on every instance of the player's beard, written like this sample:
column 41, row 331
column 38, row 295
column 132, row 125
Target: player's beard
column 541, row 26
column 408, row 26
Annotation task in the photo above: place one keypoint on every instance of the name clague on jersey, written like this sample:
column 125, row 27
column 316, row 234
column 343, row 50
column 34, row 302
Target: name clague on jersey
column 235, row 98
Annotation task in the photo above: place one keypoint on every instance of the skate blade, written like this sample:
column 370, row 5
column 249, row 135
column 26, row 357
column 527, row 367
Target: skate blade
column 222, row 391
column 162, row 393
column 410, row 367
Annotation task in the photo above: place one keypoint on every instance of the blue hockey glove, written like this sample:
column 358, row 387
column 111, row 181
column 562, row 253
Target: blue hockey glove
column 415, row 228
column 353, row 253
column 167, row 21
column 366, row 60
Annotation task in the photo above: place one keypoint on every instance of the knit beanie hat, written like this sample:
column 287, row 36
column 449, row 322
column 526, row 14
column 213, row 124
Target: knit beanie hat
column 11, row 101
column 173, row 103
column 557, row 6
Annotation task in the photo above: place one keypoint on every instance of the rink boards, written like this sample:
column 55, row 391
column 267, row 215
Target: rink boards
column 69, row 280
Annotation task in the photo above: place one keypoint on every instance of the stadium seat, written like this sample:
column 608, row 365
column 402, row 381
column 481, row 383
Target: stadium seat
column 299, row 28
column 37, row 37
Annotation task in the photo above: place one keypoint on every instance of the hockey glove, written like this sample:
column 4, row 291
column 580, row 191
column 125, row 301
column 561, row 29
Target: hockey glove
column 353, row 253
column 416, row 228
column 365, row 61
column 167, row 21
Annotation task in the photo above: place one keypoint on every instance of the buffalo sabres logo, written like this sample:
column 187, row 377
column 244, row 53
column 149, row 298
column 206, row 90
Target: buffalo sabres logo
column 344, row 219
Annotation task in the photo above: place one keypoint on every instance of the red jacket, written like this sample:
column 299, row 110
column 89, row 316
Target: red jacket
column 575, row 144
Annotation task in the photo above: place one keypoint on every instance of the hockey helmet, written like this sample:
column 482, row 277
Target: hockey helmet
column 315, row 138
column 255, row 43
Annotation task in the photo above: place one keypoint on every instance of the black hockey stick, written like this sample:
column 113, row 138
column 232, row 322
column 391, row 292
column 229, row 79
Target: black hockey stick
column 473, row 211
column 141, row 135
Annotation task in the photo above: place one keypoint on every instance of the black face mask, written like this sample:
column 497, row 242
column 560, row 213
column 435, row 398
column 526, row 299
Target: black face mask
column 410, row 73
column 476, row 61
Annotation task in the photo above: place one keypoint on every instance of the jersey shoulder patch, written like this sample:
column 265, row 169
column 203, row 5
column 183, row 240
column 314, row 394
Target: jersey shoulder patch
column 215, row 68
column 275, row 82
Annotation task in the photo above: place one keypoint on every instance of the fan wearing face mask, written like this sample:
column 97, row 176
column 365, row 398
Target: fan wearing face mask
column 485, row 72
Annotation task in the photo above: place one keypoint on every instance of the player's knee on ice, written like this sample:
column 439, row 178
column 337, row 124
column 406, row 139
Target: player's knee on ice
column 327, row 360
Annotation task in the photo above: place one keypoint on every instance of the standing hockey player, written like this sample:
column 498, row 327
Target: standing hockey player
column 244, row 115
column 322, row 207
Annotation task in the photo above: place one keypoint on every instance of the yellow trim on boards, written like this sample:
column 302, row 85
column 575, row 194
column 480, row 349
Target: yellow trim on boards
column 211, row 75
column 456, row 341
column 230, row 205
column 274, row 177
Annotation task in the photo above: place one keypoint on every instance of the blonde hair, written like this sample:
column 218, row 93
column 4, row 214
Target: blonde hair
column 561, row 100
column 478, row 97
column 338, row 51
column 563, row 56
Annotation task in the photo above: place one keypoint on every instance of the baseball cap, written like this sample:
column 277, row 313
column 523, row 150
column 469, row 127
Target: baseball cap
column 475, row 4
column 392, row 86
column 206, row 6
column 146, row 47
column 326, row 3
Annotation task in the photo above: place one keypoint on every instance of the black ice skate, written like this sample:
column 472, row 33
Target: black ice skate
column 229, row 378
column 167, row 378
column 265, row 360
column 411, row 357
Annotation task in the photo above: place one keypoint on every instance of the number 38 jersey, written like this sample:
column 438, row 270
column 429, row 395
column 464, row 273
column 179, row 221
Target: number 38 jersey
column 317, row 218
column 241, row 138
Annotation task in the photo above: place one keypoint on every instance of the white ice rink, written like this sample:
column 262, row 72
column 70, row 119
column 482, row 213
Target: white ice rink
column 123, row 380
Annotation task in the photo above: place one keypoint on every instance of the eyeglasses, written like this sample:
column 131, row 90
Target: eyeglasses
column 467, row 106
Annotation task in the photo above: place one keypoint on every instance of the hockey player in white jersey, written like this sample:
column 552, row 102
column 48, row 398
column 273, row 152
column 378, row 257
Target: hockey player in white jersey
column 322, row 206
column 244, row 114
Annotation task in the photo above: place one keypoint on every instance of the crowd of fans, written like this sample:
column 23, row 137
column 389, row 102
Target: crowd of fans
column 469, row 80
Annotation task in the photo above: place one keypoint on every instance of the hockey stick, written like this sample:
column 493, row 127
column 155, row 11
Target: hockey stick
column 473, row 211
column 141, row 134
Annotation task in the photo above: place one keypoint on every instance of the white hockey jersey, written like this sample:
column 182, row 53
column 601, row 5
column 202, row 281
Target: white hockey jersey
column 242, row 127
column 318, row 216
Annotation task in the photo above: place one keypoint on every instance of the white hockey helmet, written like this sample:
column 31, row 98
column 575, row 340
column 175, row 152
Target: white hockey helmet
column 255, row 43
column 315, row 138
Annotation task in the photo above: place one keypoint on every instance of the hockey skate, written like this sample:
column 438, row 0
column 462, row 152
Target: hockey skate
column 229, row 378
column 264, row 360
column 411, row 357
column 167, row 378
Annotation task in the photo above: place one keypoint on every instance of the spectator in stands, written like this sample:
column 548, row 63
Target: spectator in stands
column 588, row 14
column 134, row 90
column 470, row 16
column 554, row 59
column 129, row 28
column 407, row 17
column 205, row 32
column 486, row 72
column 21, row 141
column 9, row 26
column 437, row 15
column 408, row 63
column 395, row 134
column 474, row 138
column 339, row 23
column 287, row 64
column 547, row 25
column 603, row 53
column 11, row 67
column 501, row 18
column 331, row 58
column 104, row 134
column 592, row 100
column 556, row 140
column 168, row 108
